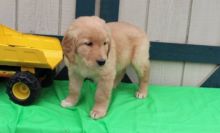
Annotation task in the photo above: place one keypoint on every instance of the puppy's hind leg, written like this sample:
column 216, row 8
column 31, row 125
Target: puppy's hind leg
column 141, row 64
column 143, row 76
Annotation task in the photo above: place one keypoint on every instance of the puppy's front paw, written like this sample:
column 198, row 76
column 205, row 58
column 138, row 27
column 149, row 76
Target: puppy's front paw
column 141, row 95
column 68, row 102
column 96, row 114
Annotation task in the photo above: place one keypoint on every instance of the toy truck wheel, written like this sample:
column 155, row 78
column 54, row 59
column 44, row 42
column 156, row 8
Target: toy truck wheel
column 23, row 88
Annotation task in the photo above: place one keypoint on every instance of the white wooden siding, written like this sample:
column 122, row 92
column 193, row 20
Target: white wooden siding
column 167, row 22
column 67, row 13
column 134, row 12
column 182, row 21
column 7, row 12
column 38, row 16
column 204, row 30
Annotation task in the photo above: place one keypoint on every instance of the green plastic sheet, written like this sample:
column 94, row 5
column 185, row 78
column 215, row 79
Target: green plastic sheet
column 166, row 110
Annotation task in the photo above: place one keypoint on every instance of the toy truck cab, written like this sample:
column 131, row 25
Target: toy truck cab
column 27, row 60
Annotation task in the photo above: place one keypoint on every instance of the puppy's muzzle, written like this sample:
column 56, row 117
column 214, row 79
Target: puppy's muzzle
column 100, row 62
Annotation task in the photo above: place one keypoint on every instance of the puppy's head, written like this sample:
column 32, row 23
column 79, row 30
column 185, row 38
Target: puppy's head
column 87, row 40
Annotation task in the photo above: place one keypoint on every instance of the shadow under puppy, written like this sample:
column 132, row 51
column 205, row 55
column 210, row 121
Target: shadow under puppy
column 102, row 51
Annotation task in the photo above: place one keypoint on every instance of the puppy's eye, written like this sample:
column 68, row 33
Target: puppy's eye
column 105, row 43
column 88, row 43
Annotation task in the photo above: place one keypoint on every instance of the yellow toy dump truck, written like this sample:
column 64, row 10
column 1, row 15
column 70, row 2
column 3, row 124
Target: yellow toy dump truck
column 28, row 61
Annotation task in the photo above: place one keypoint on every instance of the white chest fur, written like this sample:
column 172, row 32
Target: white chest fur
column 86, row 72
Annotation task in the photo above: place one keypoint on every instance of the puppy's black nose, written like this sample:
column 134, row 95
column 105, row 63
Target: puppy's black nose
column 101, row 62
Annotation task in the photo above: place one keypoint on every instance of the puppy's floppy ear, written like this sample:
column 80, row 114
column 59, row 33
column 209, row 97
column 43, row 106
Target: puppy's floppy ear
column 110, row 40
column 69, row 46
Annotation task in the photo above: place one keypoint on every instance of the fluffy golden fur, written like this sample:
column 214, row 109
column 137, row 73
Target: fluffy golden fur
column 102, row 51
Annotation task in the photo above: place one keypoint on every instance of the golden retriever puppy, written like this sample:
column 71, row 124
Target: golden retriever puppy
column 102, row 51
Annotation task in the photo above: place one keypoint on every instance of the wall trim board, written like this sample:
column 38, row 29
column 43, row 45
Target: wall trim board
column 185, row 52
column 85, row 8
column 109, row 10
